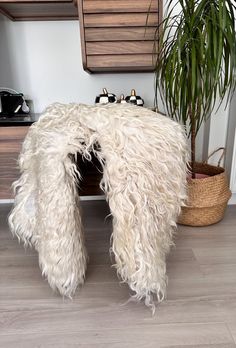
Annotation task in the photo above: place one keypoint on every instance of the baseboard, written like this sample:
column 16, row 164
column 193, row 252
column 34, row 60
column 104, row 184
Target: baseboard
column 82, row 198
column 93, row 198
column 233, row 198
column 102, row 198
column 6, row 201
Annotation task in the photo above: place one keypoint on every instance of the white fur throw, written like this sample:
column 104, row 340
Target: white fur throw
column 144, row 157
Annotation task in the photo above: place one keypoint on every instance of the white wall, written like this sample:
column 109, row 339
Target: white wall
column 218, row 129
column 231, row 149
column 44, row 60
column 6, row 77
column 233, row 173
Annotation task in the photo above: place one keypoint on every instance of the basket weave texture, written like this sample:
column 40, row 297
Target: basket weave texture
column 207, row 197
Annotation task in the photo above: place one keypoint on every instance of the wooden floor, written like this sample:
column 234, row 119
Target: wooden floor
column 200, row 310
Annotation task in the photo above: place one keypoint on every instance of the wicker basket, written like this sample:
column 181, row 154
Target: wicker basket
column 207, row 198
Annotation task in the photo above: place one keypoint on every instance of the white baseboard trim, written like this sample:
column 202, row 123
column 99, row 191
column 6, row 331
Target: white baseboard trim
column 102, row 198
column 5, row 201
column 93, row 198
column 82, row 198
column 233, row 198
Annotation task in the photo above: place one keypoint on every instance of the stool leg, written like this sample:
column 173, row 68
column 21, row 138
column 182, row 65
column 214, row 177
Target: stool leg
column 139, row 251
column 138, row 242
column 22, row 219
column 62, row 255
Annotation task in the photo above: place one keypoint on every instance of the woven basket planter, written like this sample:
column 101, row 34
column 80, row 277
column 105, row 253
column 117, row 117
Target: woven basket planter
column 207, row 197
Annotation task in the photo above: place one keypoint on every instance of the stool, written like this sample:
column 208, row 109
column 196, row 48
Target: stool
column 143, row 156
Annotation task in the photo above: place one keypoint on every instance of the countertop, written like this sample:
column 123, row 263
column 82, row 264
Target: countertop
column 19, row 120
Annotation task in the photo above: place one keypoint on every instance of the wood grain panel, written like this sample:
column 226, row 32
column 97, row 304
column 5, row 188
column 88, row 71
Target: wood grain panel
column 82, row 35
column 116, row 6
column 130, row 47
column 8, row 164
column 11, row 139
column 34, row 10
column 13, row 133
column 38, row 1
column 125, row 60
column 113, row 31
column 120, row 34
column 120, row 20
column 11, row 146
column 6, row 191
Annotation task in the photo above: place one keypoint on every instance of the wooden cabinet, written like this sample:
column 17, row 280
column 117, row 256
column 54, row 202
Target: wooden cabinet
column 118, row 35
column 11, row 139
column 39, row 10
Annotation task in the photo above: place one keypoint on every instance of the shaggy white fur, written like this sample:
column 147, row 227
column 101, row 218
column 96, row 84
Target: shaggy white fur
column 144, row 158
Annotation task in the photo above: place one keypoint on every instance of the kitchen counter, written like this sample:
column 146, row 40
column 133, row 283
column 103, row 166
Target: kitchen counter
column 20, row 120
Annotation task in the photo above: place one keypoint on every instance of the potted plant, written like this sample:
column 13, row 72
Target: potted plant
column 195, row 67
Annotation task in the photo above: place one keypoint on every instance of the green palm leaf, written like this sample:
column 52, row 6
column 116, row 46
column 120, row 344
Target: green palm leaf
column 195, row 60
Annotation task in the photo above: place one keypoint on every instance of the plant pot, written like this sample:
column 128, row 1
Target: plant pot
column 207, row 197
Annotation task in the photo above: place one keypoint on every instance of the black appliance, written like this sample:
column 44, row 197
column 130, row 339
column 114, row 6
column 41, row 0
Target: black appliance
column 12, row 103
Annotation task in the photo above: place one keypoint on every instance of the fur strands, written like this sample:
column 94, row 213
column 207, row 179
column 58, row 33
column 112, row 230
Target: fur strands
column 144, row 158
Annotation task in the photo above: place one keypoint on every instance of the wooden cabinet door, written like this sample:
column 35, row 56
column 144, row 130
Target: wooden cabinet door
column 39, row 10
column 11, row 139
column 118, row 35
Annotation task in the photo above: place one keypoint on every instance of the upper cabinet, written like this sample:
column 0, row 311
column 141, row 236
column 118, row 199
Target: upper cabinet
column 118, row 35
column 39, row 9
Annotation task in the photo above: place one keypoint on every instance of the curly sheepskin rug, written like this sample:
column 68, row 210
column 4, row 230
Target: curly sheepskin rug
column 143, row 155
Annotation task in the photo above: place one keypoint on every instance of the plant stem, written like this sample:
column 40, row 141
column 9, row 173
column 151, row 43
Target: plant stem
column 193, row 143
